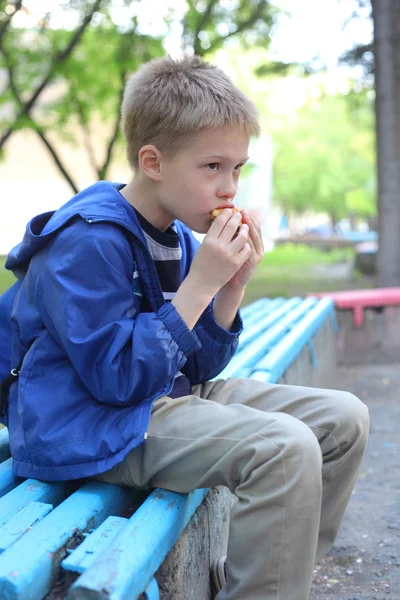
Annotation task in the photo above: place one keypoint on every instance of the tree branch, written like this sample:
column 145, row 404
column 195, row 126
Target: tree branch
column 103, row 170
column 57, row 160
column 241, row 26
column 59, row 58
column 205, row 16
column 36, row 127
column 4, row 26
column 86, row 138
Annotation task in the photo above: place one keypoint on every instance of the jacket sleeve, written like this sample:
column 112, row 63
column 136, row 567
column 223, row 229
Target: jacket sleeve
column 84, row 295
column 217, row 347
column 217, row 344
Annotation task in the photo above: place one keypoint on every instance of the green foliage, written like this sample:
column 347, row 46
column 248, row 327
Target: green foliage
column 85, row 90
column 208, row 24
column 247, row 170
column 325, row 158
column 95, row 79
column 6, row 277
column 273, row 68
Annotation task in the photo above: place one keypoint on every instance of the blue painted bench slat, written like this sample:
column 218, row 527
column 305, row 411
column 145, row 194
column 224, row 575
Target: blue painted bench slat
column 30, row 490
column 86, row 553
column 261, row 312
column 245, row 358
column 272, row 366
column 252, row 331
column 271, row 330
column 277, row 329
column 261, row 303
column 152, row 592
column 274, row 334
column 21, row 522
column 120, row 564
column 120, row 573
column 4, row 448
column 28, row 568
column 8, row 480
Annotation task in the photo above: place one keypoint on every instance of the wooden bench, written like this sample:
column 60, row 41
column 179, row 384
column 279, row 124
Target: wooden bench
column 99, row 541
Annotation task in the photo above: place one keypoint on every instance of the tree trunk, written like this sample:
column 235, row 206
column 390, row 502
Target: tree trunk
column 333, row 219
column 352, row 221
column 373, row 223
column 386, row 16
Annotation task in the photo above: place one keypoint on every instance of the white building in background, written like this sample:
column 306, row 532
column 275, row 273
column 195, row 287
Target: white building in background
column 255, row 191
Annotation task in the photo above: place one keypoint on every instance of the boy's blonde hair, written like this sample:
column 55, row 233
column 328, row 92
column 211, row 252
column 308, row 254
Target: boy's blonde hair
column 167, row 99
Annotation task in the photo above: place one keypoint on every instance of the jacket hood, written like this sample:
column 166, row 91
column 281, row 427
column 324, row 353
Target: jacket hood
column 99, row 202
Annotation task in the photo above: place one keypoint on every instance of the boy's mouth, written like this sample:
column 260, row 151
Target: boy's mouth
column 226, row 205
column 214, row 213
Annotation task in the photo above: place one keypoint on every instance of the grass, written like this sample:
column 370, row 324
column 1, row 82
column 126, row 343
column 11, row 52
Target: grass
column 291, row 255
column 6, row 277
column 287, row 271
column 291, row 270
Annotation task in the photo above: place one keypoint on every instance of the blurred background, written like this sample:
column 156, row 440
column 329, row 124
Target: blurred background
column 325, row 75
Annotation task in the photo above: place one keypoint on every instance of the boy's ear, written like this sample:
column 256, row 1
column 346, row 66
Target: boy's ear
column 150, row 161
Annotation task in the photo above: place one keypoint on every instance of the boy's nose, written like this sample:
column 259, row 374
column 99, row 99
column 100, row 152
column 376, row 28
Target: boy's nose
column 228, row 190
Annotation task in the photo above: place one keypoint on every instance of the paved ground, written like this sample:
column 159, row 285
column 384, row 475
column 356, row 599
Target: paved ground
column 365, row 561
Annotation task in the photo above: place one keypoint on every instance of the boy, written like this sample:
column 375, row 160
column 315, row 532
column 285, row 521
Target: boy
column 122, row 320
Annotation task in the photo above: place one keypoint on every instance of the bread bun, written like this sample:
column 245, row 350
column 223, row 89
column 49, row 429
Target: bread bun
column 217, row 211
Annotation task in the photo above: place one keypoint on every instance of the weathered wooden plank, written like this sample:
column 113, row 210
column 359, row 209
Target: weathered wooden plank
column 4, row 444
column 264, row 322
column 30, row 490
column 285, row 352
column 125, row 569
column 22, row 522
column 84, row 556
column 29, row 568
column 8, row 480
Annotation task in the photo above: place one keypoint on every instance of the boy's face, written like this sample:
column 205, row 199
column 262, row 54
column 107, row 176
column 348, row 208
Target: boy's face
column 202, row 175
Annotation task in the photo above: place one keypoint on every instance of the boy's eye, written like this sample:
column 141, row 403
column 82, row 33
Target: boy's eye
column 215, row 166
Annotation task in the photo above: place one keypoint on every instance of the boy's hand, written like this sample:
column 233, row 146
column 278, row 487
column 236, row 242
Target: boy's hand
column 222, row 256
column 255, row 241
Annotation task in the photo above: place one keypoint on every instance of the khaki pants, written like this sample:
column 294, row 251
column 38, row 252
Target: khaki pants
column 289, row 454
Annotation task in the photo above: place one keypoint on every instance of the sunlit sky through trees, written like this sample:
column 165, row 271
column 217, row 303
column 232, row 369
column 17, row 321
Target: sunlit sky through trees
column 310, row 29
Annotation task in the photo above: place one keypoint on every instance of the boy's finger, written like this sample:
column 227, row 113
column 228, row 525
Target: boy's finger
column 218, row 223
column 256, row 235
column 230, row 228
column 241, row 238
column 257, row 225
column 251, row 220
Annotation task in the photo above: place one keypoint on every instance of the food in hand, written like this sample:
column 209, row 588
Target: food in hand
column 217, row 211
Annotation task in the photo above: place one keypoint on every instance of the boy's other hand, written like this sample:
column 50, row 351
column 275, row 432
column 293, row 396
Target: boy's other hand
column 243, row 275
column 223, row 255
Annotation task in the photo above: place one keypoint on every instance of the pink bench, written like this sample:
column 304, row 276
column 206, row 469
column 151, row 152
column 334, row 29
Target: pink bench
column 369, row 325
column 358, row 300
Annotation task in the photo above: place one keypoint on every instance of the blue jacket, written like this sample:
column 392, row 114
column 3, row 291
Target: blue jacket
column 94, row 360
